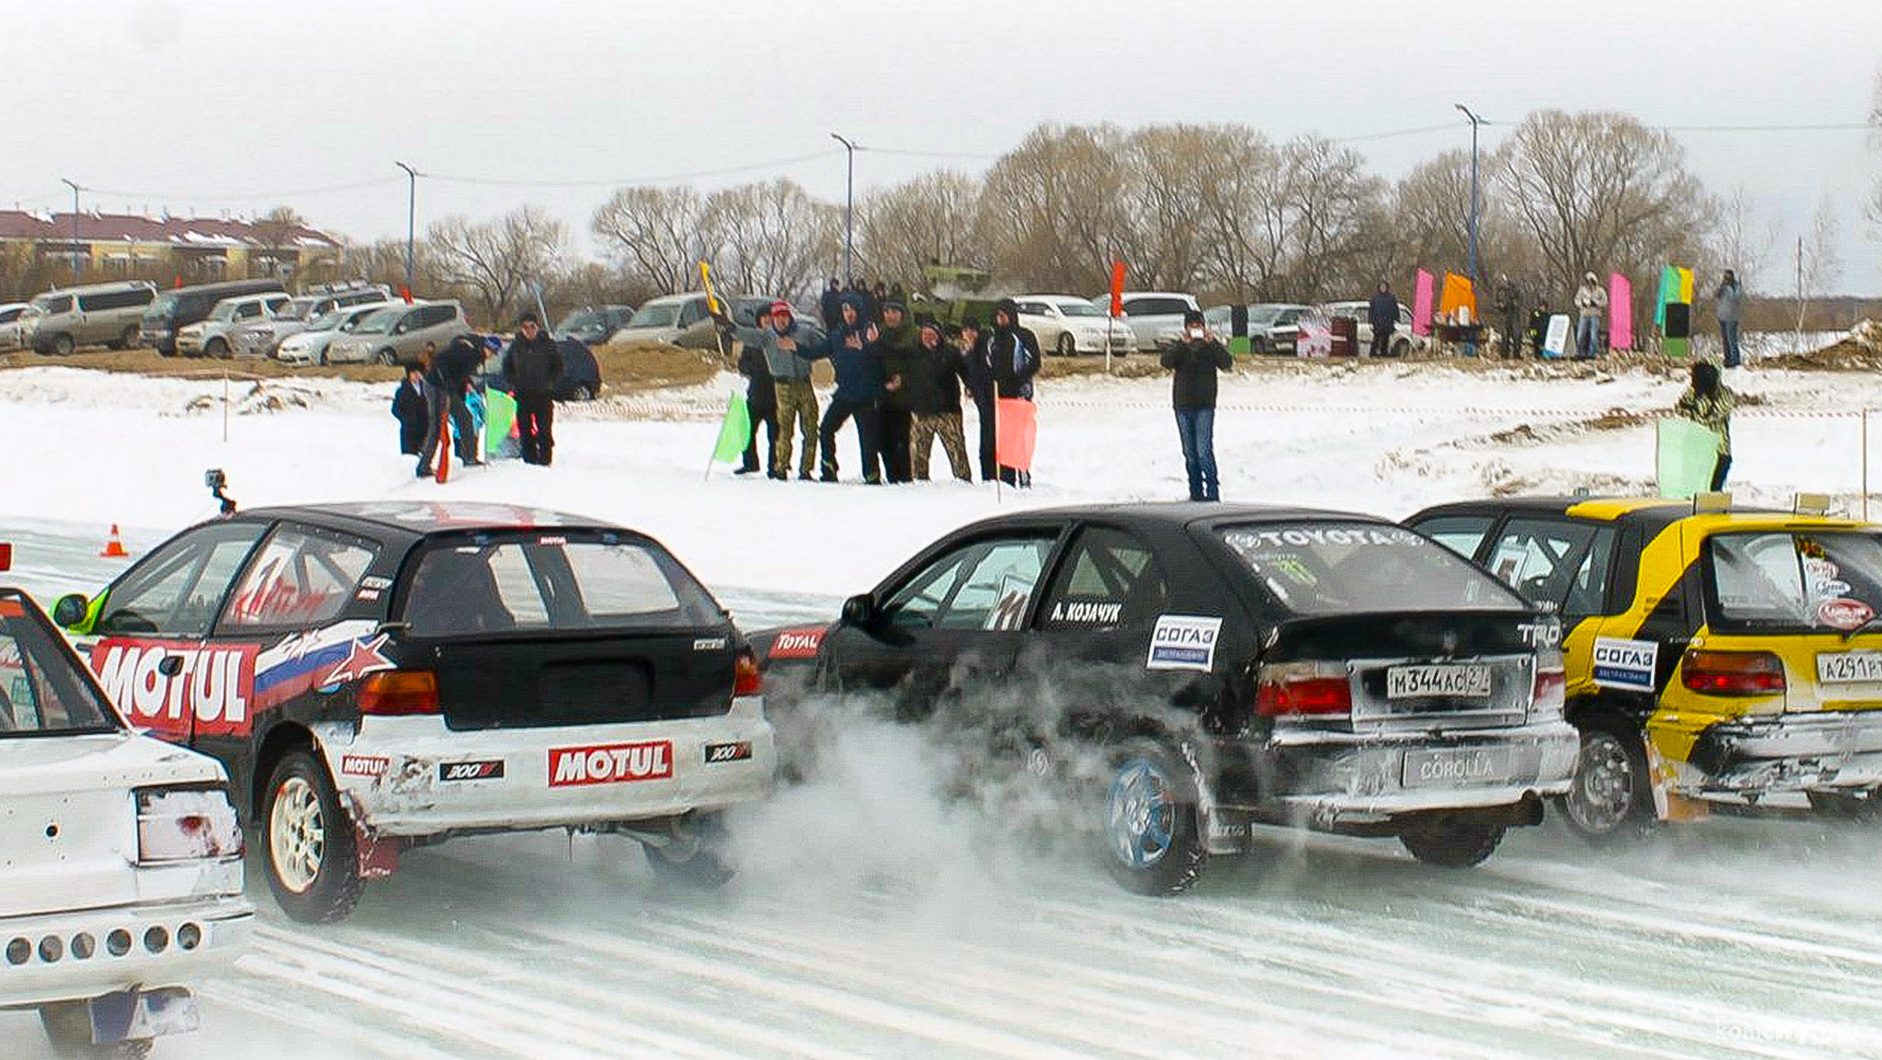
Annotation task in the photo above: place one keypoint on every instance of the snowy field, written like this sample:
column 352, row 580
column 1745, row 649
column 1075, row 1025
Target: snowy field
column 872, row 921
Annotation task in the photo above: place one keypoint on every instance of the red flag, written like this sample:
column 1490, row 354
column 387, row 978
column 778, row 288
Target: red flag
column 1016, row 429
column 1117, row 288
column 406, row 293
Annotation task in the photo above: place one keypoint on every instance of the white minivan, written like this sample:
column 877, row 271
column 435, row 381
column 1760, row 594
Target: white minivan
column 120, row 856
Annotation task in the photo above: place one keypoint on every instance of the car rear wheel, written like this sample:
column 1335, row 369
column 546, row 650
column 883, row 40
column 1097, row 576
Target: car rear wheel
column 63, row 345
column 1401, row 347
column 1610, row 800
column 1452, row 845
column 582, row 393
column 323, row 356
column 131, row 337
column 1068, row 346
column 217, row 348
column 1152, row 842
column 387, row 358
column 68, row 1027
column 313, row 867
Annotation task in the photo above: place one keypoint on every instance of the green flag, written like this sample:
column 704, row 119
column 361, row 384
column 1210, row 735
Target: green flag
column 1686, row 457
column 735, row 432
column 499, row 417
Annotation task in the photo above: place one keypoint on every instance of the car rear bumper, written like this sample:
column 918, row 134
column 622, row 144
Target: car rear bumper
column 156, row 956
column 412, row 777
column 1344, row 781
column 1787, row 753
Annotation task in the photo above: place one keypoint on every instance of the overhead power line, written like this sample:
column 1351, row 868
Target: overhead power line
column 502, row 182
column 292, row 193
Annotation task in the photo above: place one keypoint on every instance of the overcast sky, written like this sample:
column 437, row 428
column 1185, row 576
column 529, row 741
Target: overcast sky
column 236, row 105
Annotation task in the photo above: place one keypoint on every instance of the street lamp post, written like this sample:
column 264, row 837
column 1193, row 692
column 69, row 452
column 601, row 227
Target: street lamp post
column 74, row 253
column 411, row 222
column 849, row 212
column 1474, row 122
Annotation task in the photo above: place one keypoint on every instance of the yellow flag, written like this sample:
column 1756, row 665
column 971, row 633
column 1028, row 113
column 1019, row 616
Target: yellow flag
column 705, row 277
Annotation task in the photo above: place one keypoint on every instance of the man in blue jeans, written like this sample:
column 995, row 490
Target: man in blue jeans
column 1729, row 303
column 1196, row 357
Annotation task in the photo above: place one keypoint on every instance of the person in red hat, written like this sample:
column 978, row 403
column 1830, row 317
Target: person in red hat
column 790, row 348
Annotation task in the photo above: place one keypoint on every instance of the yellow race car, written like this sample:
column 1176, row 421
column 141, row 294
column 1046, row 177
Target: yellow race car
column 1715, row 656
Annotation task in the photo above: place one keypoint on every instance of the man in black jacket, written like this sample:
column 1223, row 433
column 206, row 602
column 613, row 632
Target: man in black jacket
column 761, row 393
column 1010, row 358
column 1382, row 314
column 446, row 384
column 896, row 343
column 932, row 386
column 1196, row 358
column 533, row 366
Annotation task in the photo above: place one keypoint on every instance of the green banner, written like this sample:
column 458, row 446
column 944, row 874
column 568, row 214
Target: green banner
column 734, row 432
column 1686, row 456
column 499, row 416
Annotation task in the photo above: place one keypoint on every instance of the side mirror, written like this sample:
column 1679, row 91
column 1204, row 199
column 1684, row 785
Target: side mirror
column 860, row 611
column 70, row 611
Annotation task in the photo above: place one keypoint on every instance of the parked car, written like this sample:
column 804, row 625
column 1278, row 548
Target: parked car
column 593, row 324
column 214, row 335
column 180, row 307
column 387, row 674
column 663, row 319
column 1156, row 317
column 703, row 334
column 1192, row 670
column 309, row 346
column 1714, row 657
column 120, row 856
column 1263, row 319
column 581, row 373
column 1070, row 325
column 96, row 314
column 12, row 327
column 398, row 333
column 261, row 338
column 1403, row 341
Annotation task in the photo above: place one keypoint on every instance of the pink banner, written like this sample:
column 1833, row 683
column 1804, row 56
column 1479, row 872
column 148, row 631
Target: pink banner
column 1620, row 313
column 1421, row 304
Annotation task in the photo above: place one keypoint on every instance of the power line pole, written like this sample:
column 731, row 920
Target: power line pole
column 74, row 255
column 849, row 212
column 411, row 223
column 1474, row 122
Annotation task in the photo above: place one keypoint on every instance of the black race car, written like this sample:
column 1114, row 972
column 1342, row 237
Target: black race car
column 381, row 675
column 1221, row 667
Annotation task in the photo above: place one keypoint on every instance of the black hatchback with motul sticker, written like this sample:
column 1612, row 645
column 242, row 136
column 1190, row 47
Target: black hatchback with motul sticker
column 1190, row 671
column 380, row 676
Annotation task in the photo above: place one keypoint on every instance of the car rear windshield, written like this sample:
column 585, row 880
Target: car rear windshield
column 532, row 582
column 1794, row 579
column 1321, row 568
column 42, row 690
column 655, row 316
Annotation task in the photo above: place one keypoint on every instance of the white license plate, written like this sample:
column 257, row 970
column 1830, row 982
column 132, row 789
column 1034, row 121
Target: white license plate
column 1425, row 769
column 1411, row 682
column 1849, row 667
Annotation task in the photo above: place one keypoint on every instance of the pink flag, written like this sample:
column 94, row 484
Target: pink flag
column 1016, row 429
column 1421, row 305
column 1620, row 313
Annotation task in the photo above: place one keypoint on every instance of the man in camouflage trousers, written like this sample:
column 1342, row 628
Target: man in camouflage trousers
column 789, row 346
column 933, row 387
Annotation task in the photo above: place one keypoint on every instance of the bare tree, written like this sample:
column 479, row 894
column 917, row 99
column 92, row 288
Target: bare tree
column 277, row 229
column 924, row 221
column 1239, row 176
column 1052, row 213
column 1431, row 214
column 497, row 261
column 1874, row 206
column 1819, row 265
column 1601, row 191
column 1329, row 213
column 660, row 233
column 1743, row 240
column 773, row 238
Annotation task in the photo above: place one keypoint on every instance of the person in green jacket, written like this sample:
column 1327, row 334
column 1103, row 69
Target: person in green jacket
column 1709, row 403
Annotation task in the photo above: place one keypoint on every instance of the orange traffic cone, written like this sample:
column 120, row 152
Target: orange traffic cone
column 114, row 548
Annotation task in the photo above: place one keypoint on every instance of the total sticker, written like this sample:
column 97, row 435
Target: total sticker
column 1184, row 642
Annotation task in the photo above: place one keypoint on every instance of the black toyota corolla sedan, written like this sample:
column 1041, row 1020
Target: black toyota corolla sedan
column 1194, row 670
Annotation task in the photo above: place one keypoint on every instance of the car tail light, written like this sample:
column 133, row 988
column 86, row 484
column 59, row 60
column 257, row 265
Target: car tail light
column 747, row 678
column 186, row 824
column 1303, row 688
column 1551, row 691
column 1732, row 673
column 399, row 692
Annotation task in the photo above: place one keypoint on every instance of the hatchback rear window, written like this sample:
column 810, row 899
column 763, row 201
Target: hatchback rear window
column 42, row 690
column 1322, row 568
column 1796, row 580
column 551, row 582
